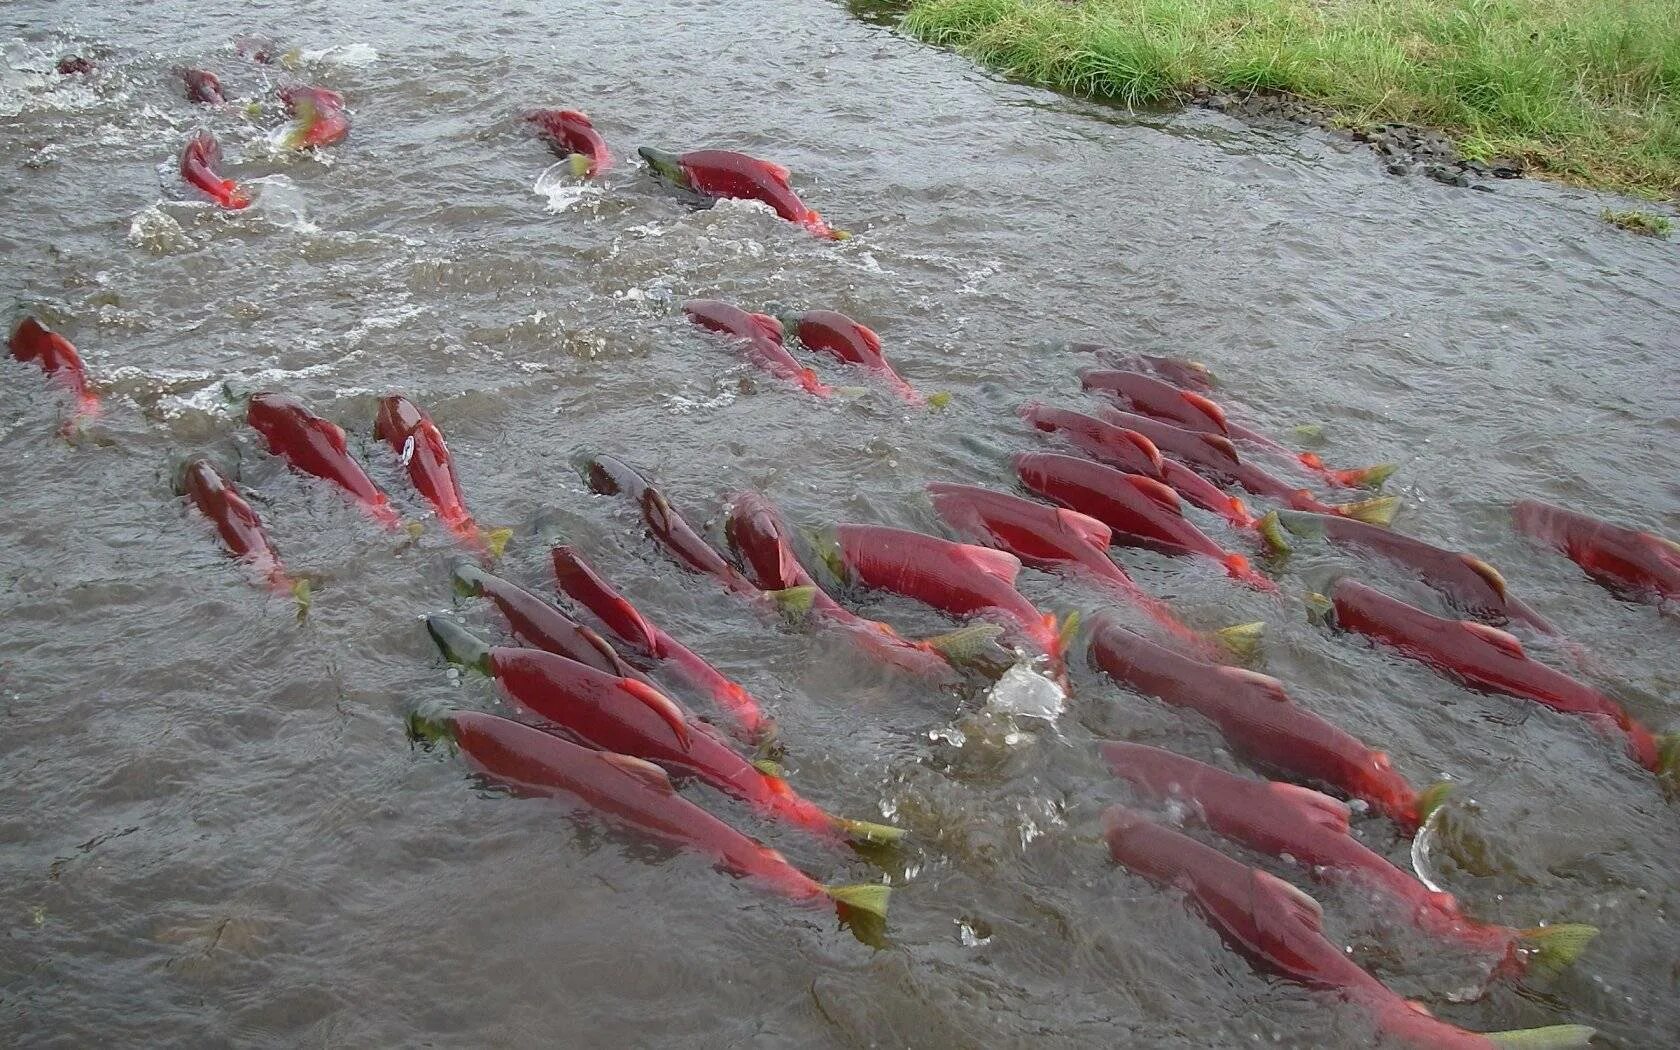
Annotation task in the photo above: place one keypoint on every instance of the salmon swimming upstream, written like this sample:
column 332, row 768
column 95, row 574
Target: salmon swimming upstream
column 411, row 434
column 240, row 529
column 717, row 173
column 760, row 336
column 33, row 342
column 573, row 139
column 315, row 446
column 1628, row 561
column 201, row 163
column 849, row 342
column 201, row 85
column 320, row 115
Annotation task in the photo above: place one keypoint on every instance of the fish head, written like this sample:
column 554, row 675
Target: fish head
column 666, row 167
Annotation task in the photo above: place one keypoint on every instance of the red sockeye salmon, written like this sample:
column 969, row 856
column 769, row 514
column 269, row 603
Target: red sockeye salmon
column 761, row 336
column 718, row 173
column 1628, row 561
column 312, row 445
column 573, row 139
column 200, row 164
column 55, row 355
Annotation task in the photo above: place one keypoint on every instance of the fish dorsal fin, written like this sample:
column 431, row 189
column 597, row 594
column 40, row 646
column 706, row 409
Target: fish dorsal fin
column 1297, row 904
column 1666, row 548
column 1222, row 444
column 661, row 705
column 1486, row 572
column 331, row 431
column 1087, row 528
column 1206, row 405
column 1324, row 811
column 1272, row 686
column 1504, row 641
column 572, row 114
column 776, row 171
column 1146, row 446
column 996, row 563
column 768, row 325
column 640, row 770
column 870, row 339
column 1159, row 493
column 581, row 582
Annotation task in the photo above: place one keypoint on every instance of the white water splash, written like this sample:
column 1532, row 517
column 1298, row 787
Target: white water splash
column 346, row 55
column 562, row 189
column 1023, row 692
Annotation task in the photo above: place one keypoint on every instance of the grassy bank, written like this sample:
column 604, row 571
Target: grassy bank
column 1582, row 90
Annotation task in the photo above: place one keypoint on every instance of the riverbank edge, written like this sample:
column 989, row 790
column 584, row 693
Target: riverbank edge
column 1402, row 148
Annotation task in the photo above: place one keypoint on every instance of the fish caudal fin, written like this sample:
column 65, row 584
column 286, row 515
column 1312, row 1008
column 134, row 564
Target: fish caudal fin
column 869, row 898
column 1379, row 511
column 966, row 643
column 1668, row 756
column 459, row 645
column 1272, row 531
column 1431, row 799
column 496, row 540
column 1363, row 477
column 1242, row 639
column 794, row 602
column 1552, row 1037
column 865, row 831
column 1557, row 946
column 939, row 400
column 303, row 597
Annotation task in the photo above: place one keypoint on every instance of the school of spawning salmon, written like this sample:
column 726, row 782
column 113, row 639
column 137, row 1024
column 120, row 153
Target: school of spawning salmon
column 591, row 723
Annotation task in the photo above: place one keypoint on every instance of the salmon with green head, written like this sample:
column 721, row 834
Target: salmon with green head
column 717, row 173
column 573, row 138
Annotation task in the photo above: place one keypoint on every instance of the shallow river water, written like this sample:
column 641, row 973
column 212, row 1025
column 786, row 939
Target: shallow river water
column 213, row 831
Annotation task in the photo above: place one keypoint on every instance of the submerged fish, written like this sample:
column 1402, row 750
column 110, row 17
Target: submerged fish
column 629, row 716
column 74, row 64
column 1311, row 830
column 581, row 583
column 848, row 341
column 1140, row 511
column 33, row 341
column 1630, row 562
column 321, row 119
column 201, row 85
column 632, row 793
column 239, row 527
column 419, row 445
column 1279, row 929
column 722, row 173
column 200, row 161
column 573, row 139
column 1487, row 659
column 762, row 336
column 537, row 624
column 1191, row 375
column 1468, row 582
column 312, row 445
column 1257, row 717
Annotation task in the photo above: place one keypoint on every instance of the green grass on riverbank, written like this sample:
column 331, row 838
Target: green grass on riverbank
column 1583, row 90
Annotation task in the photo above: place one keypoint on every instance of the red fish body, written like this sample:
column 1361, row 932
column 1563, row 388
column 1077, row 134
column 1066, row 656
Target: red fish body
column 1141, row 511
column 1256, row 717
column 320, row 113
column 1627, row 561
column 1468, row 582
column 201, row 85
column 578, row 581
column 1188, row 375
column 1487, row 659
column 629, row 791
column 762, row 336
column 1310, row 829
column 312, row 445
column 1279, row 929
column 236, row 523
column 417, row 441
column 1132, row 451
column 537, row 624
column 959, row 579
column 571, row 135
column 200, row 162
column 724, row 173
column 846, row 340
column 760, row 539
column 33, row 341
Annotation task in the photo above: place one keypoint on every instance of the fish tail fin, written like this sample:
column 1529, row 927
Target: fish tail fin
column 1062, row 632
column 794, row 602
column 1557, row 946
column 1242, row 639
column 1668, row 756
column 866, row 831
column 1272, row 531
column 579, row 163
column 303, row 597
column 1552, row 1037
column 459, row 645
column 1320, row 610
column 1378, row 511
column 869, row 898
column 965, row 643
column 1370, row 477
column 1431, row 799
column 940, row 400
column 495, row 540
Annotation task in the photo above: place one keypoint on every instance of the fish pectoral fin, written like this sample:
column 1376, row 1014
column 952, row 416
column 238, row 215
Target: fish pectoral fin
column 661, row 705
column 642, row 770
column 1552, row 1037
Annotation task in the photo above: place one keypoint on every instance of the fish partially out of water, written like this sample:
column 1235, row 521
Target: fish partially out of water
column 321, row 119
column 1257, row 717
column 1135, row 453
column 573, row 138
column 201, row 85
column 418, row 443
column 239, row 527
column 1140, row 511
column 629, row 716
column 32, row 341
column 724, row 173
column 579, row 581
column 760, row 539
column 1280, row 930
column 201, row 162
column 1471, row 584
column 1190, row 375
column 1060, row 540
column 537, row 624
column 844, row 339
column 1196, row 411
column 74, row 64
column 1311, row 830
column 1487, row 659
column 629, row 792
column 316, row 446
column 1629, row 562
column 761, row 338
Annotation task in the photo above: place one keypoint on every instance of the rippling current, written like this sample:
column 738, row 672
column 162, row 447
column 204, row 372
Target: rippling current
column 213, row 831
